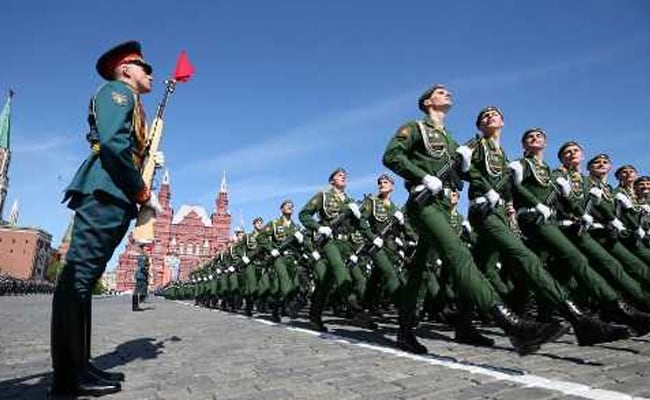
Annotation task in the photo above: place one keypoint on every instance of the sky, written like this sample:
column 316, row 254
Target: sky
column 286, row 91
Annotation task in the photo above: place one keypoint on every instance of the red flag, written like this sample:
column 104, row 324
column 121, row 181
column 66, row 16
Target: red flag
column 184, row 69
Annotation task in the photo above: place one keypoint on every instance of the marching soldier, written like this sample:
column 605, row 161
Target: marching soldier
column 536, row 190
column 489, row 190
column 104, row 193
column 339, row 217
column 424, row 153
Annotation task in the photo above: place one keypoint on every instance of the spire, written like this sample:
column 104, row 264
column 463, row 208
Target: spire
column 13, row 215
column 165, row 179
column 5, row 122
column 67, row 236
column 224, row 187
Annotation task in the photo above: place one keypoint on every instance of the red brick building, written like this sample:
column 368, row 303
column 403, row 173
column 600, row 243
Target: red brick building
column 182, row 240
column 25, row 253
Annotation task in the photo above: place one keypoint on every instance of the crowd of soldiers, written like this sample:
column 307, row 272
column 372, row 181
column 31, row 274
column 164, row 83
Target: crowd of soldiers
column 10, row 286
column 543, row 250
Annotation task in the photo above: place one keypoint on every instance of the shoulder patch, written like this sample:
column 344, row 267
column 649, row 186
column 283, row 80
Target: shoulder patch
column 119, row 98
column 404, row 132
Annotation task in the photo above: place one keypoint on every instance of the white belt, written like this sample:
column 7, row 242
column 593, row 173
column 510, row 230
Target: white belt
column 565, row 222
column 597, row 225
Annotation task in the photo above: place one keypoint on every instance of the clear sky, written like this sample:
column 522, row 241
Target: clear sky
column 285, row 91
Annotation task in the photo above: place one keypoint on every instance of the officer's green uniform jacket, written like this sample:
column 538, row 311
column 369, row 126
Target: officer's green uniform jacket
column 418, row 149
column 606, row 208
column 536, row 187
column 631, row 217
column 489, row 163
column 113, row 167
column 278, row 232
column 574, row 205
column 379, row 214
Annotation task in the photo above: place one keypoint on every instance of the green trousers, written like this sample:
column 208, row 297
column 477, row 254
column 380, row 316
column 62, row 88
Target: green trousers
column 568, row 260
column 250, row 280
column 281, row 271
column 431, row 222
column 634, row 266
column 495, row 234
column 607, row 266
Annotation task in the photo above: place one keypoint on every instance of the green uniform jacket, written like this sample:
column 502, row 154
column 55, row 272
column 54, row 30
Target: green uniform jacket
column 412, row 154
column 112, row 170
column 489, row 163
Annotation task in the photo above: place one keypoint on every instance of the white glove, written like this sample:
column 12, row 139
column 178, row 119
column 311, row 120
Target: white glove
column 401, row 254
column 597, row 193
column 399, row 242
column 354, row 207
column 617, row 224
column 231, row 269
column 275, row 253
column 587, row 221
column 438, row 262
column 315, row 255
column 325, row 231
column 218, row 271
column 624, row 200
column 159, row 159
column 467, row 226
column 565, row 186
column 211, row 277
column 492, row 197
column 518, row 171
column 369, row 267
column 299, row 236
column 498, row 265
column 378, row 242
column 432, row 183
column 153, row 203
column 246, row 260
column 466, row 153
column 411, row 243
column 640, row 233
column 645, row 208
column 354, row 258
column 543, row 210
column 399, row 217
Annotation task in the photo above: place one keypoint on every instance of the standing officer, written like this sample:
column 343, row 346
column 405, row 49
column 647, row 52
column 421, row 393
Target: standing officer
column 141, row 280
column 104, row 194
column 419, row 152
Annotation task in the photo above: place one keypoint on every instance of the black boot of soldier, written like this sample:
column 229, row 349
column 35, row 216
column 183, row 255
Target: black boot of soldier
column 525, row 335
column 590, row 330
column 315, row 318
column 249, row 306
column 406, row 339
column 275, row 312
column 621, row 312
column 467, row 333
column 360, row 315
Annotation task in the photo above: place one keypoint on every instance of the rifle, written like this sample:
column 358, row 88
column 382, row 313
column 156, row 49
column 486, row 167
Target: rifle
column 368, row 247
column 448, row 172
column 588, row 207
column 143, row 231
column 338, row 220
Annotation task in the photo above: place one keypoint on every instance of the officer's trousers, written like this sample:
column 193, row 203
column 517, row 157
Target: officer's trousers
column 99, row 226
column 431, row 222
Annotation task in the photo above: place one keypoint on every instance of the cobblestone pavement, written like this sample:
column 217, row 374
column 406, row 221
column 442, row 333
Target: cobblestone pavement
column 177, row 351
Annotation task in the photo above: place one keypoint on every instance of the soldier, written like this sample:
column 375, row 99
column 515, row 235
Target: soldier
column 141, row 280
column 424, row 153
column 608, row 229
column 536, row 198
column 283, row 240
column 489, row 189
column 250, row 257
column 629, row 211
column 339, row 217
column 104, row 194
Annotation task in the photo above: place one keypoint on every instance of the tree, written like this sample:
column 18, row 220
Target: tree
column 53, row 270
column 99, row 288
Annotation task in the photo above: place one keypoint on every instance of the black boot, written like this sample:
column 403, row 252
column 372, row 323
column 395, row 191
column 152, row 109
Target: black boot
column 526, row 336
column 315, row 318
column 135, row 304
column 249, row 306
column 87, row 322
column 275, row 313
column 360, row 315
column 406, row 339
column 590, row 330
column 623, row 313
column 467, row 333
